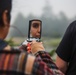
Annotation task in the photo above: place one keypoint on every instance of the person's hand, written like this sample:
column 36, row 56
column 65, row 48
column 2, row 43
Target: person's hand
column 25, row 46
column 36, row 46
column 29, row 47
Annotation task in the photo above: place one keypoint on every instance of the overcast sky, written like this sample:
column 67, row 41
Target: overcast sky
column 35, row 7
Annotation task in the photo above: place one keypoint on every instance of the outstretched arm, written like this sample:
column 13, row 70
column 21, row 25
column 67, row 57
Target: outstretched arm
column 16, row 62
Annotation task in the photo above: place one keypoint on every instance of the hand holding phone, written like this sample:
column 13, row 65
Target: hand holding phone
column 34, row 33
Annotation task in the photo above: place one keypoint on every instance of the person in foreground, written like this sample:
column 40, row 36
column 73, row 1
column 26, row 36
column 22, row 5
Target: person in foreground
column 66, row 51
column 16, row 62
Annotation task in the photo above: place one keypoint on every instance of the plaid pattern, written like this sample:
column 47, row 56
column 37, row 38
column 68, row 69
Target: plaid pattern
column 47, row 59
column 40, row 68
column 45, row 65
column 14, row 63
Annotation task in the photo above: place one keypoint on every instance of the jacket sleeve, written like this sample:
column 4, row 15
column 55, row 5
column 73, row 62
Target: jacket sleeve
column 17, row 62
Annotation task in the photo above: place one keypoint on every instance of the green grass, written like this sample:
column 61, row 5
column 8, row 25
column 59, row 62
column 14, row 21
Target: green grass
column 50, row 44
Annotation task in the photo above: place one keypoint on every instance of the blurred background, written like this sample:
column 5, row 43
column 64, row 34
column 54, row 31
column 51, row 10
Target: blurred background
column 56, row 15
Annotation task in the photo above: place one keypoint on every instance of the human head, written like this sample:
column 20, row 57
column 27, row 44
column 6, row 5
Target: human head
column 35, row 28
column 5, row 8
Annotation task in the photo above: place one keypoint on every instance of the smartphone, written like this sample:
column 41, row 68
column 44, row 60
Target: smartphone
column 34, row 31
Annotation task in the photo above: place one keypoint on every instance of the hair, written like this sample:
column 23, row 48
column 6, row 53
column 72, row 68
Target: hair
column 5, row 5
column 34, row 20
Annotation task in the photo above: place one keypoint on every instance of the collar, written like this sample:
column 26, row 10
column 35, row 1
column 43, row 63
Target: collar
column 3, row 44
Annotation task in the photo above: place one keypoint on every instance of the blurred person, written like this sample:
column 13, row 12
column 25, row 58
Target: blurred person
column 5, row 8
column 16, row 62
column 66, row 51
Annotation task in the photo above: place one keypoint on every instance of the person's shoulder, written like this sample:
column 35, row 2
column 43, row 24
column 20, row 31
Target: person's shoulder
column 73, row 23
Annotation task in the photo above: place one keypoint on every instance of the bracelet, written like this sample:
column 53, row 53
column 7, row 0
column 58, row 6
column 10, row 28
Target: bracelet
column 40, row 53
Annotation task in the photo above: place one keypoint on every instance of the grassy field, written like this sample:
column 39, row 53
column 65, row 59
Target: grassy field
column 50, row 44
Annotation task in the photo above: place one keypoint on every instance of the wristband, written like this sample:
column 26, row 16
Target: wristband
column 39, row 53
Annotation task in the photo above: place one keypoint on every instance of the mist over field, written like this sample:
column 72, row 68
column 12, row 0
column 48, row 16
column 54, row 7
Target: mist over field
column 52, row 25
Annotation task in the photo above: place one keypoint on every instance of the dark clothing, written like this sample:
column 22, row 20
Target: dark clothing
column 67, row 48
column 3, row 44
column 14, row 63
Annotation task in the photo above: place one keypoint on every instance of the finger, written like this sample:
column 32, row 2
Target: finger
column 28, row 48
